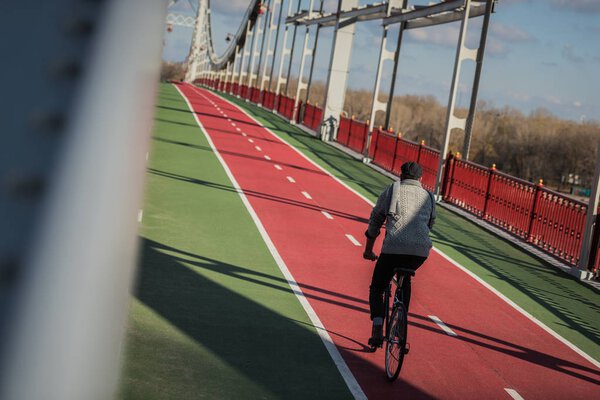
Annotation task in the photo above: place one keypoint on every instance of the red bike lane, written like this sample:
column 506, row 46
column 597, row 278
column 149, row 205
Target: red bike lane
column 317, row 225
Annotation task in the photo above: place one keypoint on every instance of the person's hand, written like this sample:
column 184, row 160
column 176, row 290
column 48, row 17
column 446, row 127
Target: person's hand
column 369, row 255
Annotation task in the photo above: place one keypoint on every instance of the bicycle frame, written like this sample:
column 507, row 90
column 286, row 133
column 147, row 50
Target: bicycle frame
column 399, row 281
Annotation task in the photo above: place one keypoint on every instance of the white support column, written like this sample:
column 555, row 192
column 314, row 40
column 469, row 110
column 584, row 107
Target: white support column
column 306, row 52
column 198, row 37
column 256, row 31
column 236, row 66
column 591, row 218
column 245, row 55
column 285, row 52
column 269, row 53
column 339, row 66
column 462, row 53
column 385, row 55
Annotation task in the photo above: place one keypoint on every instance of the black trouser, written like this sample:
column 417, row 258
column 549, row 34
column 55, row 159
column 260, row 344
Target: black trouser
column 382, row 276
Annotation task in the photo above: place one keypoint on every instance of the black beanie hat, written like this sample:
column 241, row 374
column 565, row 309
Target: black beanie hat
column 411, row 170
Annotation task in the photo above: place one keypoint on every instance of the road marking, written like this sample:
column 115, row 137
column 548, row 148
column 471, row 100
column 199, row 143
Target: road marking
column 353, row 240
column 305, row 194
column 257, row 148
column 233, row 124
column 251, row 141
column 350, row 380
column 442, row 325
column 289, row 178
column 536, row 321
column 326, row 214
column 244, row 134
column 229, row 119
column 278, row 167
column 267, row 158
column 513, row 393
column 140, row 215
column 225, row 115
column 238, row 129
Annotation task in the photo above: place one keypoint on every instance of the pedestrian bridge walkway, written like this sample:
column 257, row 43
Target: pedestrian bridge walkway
column 251, row 283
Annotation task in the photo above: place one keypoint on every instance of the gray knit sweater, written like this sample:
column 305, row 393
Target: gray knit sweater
column 409, row 213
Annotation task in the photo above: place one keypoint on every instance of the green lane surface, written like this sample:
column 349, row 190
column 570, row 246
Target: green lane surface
column 212, row 315
column 567, row 306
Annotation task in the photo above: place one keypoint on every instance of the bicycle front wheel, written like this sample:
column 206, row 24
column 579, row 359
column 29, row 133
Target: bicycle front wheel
column 396, row 343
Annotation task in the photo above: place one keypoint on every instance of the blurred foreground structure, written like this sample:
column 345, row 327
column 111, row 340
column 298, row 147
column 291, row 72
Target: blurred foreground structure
column 77, row 120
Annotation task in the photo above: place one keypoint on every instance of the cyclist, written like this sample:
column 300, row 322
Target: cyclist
column 409, row 213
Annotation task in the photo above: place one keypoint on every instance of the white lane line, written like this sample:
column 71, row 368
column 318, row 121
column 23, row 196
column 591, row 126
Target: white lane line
column 326, row 214
column 233, row 124
column 511, row 303
column 339, row 361
column 289, row 178
column 267, row 158
column 442, row 325
column 278, row 167
column 353, row 240
column 244, row 134
column 140, row 215
column 251, row 141
column 305, row 194
column 257, row 148
column 229, row 119
column 225, row 115
column 238, row 129
column 513, row 393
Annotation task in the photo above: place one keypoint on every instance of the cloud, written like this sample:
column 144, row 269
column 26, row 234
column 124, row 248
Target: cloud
column 230, row 7
column 446, row 36
column 569, row 54
column 508, row 33
column 580, row 6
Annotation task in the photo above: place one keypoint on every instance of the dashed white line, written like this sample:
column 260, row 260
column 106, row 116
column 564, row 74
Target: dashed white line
column 267, row 158
column 225, row 115
column 233, row 124
column 257, row 148
column 229, row 119
column 442, row 325
column 289, row 178
column 353, row 240
column 305, row 194
column 278, row 167
column 326, row 214
column 238, row 129
column 513, row 393
column 251, row 141
column 140, row 215
column 244, row 134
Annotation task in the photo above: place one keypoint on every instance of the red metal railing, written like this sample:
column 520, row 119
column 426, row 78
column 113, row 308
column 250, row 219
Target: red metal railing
column 545, row 219
column 357, row 135
column 343, row 134
column 384, row 149
column 312, row 116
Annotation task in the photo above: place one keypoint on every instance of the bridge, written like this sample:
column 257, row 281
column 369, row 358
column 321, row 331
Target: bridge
column 249, row 281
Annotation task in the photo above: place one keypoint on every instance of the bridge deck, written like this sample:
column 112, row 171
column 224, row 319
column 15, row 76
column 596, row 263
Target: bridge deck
column 214, row 315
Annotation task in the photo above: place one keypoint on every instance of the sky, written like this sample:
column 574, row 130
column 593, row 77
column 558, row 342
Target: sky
column 539, row 54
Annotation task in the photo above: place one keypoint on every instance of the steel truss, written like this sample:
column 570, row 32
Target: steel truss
column 260, row 27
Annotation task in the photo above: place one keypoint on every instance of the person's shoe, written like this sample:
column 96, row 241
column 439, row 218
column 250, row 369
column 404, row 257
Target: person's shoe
column 376, row 339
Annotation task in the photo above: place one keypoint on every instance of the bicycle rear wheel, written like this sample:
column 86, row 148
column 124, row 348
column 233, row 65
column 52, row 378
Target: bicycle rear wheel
column 396, row 343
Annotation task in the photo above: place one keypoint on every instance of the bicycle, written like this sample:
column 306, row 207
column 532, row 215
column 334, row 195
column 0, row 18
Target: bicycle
column 395, row 327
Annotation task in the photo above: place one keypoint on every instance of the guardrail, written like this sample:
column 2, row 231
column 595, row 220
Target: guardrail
column 544, row 218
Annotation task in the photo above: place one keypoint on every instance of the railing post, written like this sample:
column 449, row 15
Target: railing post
column 395, row 151
column 487, row 190
column 448, row 174
column 533, row 213
column 420, row 149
